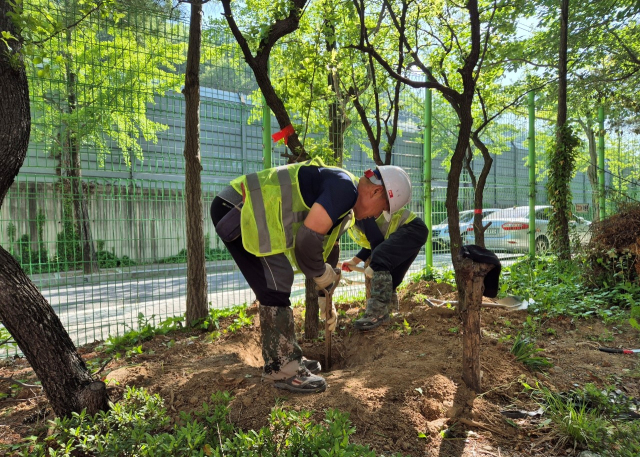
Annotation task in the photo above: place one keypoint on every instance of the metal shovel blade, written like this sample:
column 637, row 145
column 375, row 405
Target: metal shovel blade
column 510, row 303
column 514, row 302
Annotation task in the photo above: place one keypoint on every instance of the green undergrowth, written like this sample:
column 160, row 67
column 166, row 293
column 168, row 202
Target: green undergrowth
column 600, row 420
column 217, row 323
column 138, row 425
column 560, row 288
column 435, row 274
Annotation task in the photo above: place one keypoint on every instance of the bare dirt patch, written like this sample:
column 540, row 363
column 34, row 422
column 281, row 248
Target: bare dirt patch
column 401, row 384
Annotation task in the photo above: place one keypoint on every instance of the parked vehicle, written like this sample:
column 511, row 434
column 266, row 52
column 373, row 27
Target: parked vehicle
column 440, row 233
column 509, row 229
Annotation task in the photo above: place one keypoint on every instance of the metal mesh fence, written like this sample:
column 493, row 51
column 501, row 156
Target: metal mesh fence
column 96, row 215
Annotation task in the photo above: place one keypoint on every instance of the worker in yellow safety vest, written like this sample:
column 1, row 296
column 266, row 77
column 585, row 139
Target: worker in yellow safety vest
column 392, row 245
column 295, row 214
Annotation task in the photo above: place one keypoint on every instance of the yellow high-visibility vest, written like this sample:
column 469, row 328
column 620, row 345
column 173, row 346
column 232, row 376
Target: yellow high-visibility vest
column 398, row 219
column 274, row 210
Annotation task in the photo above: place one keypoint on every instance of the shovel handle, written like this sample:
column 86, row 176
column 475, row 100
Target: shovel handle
column 354, row 268
column 327, row 332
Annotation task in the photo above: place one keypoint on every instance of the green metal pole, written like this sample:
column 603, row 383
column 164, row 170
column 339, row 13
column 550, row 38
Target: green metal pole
column 266, row 134
column 601, row 201
column 532, row 173
column 427, row 173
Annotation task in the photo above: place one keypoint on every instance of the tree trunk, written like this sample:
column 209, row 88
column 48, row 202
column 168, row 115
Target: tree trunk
column 560, row 161
column 462, row 103
column 478, row 226
column 197, row 307
column 81, row 212
column 74, row 172
column 259, row 64
column 453, row 183
column 470, row 278
column 45, row 343
column 311, row 316
column 23, row 310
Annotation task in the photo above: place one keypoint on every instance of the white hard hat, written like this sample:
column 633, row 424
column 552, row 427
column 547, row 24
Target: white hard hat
column 397, row 184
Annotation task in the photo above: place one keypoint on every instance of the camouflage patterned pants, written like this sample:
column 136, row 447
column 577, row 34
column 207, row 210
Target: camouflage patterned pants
column 279, row 344
column 381, row 293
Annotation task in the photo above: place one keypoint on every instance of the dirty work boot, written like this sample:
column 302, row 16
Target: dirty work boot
column 313, row 366
column 378, row 306
column 282, row 355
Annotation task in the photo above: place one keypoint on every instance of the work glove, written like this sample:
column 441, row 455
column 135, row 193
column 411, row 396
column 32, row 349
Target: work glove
column 326, row 280
column 333, row 318
column 349, row 264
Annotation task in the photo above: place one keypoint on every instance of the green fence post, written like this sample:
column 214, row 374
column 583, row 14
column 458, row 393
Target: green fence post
column 532, row 173
column 266, row 134
column 601, row 201
column 427, row 173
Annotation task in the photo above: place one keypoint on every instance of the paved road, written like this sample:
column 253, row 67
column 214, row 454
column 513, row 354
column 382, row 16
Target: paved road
column 92, row 312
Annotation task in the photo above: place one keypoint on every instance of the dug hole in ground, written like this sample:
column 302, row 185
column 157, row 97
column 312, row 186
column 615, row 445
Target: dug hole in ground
column 401, row 384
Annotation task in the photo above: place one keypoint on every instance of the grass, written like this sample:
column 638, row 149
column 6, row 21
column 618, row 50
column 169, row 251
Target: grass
column 130, row 343
column 590, row 418
column 524, row 349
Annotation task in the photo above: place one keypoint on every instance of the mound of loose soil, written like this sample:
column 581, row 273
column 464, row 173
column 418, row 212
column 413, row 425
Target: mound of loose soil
column 396, row 382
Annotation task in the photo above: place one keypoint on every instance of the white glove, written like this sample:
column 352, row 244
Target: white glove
column 368, row 272
column 327, row 278
column 349, row 264
column 333, row 318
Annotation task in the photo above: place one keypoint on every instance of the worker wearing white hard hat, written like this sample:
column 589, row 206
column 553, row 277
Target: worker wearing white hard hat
column 396, row 183
column 392, row 239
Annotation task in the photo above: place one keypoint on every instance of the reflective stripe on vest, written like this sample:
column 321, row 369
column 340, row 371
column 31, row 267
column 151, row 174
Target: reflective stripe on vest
column 274, row 210
column 386, row 227
column 405, row 216
column 259, row 211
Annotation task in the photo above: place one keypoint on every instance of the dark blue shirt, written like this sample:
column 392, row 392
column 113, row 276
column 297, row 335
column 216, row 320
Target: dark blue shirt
column 373, row 234
column 330, row 187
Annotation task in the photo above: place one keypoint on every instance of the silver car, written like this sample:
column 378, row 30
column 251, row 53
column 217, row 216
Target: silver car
column 440, row 233
column 509, row 229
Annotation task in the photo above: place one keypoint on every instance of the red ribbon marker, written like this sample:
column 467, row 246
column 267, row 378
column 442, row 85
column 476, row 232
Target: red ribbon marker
column 477, row 211
column 285, row 133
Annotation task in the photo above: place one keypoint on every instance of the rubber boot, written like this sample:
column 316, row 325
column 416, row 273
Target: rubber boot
column 283, row 364
column 378, row 306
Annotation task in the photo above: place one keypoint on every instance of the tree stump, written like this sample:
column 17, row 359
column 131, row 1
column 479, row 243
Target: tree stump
column 470, row 279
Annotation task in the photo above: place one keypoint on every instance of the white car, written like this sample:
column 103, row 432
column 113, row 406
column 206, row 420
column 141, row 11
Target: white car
column 509, row 229
column 440, row 233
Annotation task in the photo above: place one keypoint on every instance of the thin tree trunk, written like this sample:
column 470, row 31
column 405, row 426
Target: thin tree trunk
column 197, row 307
column 478, row 226
column 74, row 172
column 23, row 310
column 560, row 201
